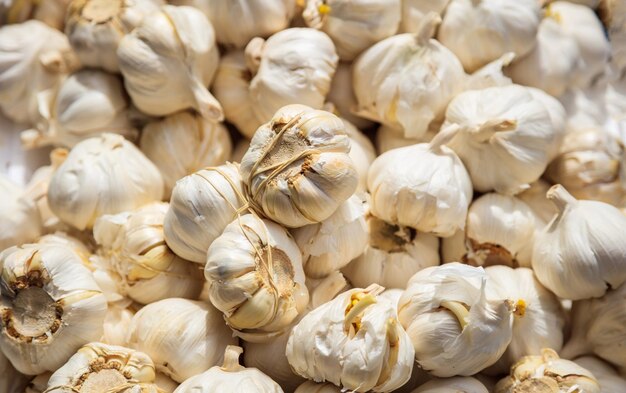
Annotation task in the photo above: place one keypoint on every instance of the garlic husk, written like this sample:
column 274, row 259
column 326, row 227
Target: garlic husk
column 414, row 13
column 547, row 373
column 183, row 337
column 255, row 271
column 52, row 12
column 454, row 327
column 12, row 381
column 19, row 216
column 608, row 378
column 102, row 175
column 78, row 246
column 535, row 198
column 101, row 367
column 86, row 104
column 133, row 244
column 341, row 95
column 491, row 74
column 388, row 138
column 581, row 252
column 362, row 153
column 354, row 341
column 50, row 307
column 169, row 60
column 184, row 143
column 506, row 125
column 116, row 324
column 423, row 186
column 201, row 206
column 406, row 81
column 353, row 25
column 31, row 66
column 453, row 385
column 315, row 387
column 538, row 321
column 297, row 170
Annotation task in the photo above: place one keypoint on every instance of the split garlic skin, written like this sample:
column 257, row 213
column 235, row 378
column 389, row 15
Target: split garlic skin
column 297, row 170
column 610, row 381
column 454, row 327
column 414, row 13
column 19, row 216
column 580, row 253
column 453, row 385
column 51, row 306
column 168, row 62
column 183, row 337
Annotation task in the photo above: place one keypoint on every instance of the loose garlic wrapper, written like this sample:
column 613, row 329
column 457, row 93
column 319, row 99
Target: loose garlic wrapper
column 354, row 341
column 183, row 337
column 297, row 170
column 454, row 327
column 581, row 252
column 19, row 216
column 610, row 381
column 102, row 175
column 184, row 143
column 51, row 306
column 414, row 13
column 169, row 60
column 453, row 385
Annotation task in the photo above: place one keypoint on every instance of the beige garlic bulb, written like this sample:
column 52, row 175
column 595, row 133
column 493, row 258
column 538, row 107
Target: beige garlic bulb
column 297, row 170
column 406, row 81
column 608, row 378
column 580, row 253
column 184, row 143
column 454, row 327
column 116, row 323
column 388, row 138
column 169, row 60
column 102, row 175
column 414, row 13
column 50, row 12
column 341, row 96
column 19, row 216
column 183, row 337
column 535, row 198
column 547, row 373
column 362, row 153
column 12, row 380
column 453, row 385
column 51, row 306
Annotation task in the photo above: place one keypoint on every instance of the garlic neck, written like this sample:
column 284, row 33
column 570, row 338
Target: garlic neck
column 485, row 131
column 231, row 359
column 428, row 28
column 559, row 196
column 444, row 136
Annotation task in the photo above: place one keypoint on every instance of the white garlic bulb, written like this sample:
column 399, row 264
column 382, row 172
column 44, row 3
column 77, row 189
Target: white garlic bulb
column 586, row 107
column 507, row 125
column 50, row 307
column 184, row 143
column 201, row 206
column 169, row 60
column 491, row 74
column 50, row 12
column 454, row 327
column 256, row 279
column 480, row 31
column 414, row 13
column 406, row 81
column 100, row 367
column 535, row 198
column 558, row 117
column 547, row 373
column 116, row 324
column 388, row 138
column 362, row 153
column 453, row 385
column 610, row 381
column 96, row 27
column 183, row 337
column 12, row 380
column 297, row 170
column 341, row 96
column 102, row 175
column 424, row 186
column 354, row 341
column 19, row 216
column 314, row 387
column 230, row 377
column 581, row 252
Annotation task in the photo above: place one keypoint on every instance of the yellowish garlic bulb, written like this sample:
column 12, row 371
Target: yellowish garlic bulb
column 414, row 13
column 341, row 96
column 19, row 216
column 453, row 385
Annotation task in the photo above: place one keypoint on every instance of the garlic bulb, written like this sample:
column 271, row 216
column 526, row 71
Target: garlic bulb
column 12, row 380
column 334, row 242
column 581, row 253
column 134, row 245
column 362, row 153
column 341, row 95
column 169, row 60
column 507, row 125
column 184, row 143
column 183, row 337
column 50, row 12
column 535, row 198
column 499, row 231
column 102, row 175
column 30, row 65
column 547, row 373
column 230, row 377
column 19, row 216
column 609, row 380
column 297, row 170
column 100, row 367
column 256, row 279
column 406, row 81
column 453, row 385
column 480, row 31
column 116, row 324
column 314, row 387
column 491, row 74
column 87, row 103
column 353, row 25
column 353, row 341
column 454, row 327
column 388, row 138
column 558, row 117
column 424, row 186
column 50, row 306
column 201, row 206
column 414, row 13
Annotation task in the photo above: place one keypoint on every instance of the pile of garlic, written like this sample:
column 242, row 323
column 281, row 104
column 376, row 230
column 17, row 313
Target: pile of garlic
column 292, row 196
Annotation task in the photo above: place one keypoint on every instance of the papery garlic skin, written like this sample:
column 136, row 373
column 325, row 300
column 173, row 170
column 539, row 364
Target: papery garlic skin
column 414, row 13
column 201, row 206
column 51, row 306
column 453, row 385
column 19, row 216
column 183, row 337
column 341, row 95
column 96, row 27
column 102, row 175
column 362, row 153
column 184, row 143
column 297, row 170
column 610, row 381
column 169, row 60
column 454, row 327
column 580, row 253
